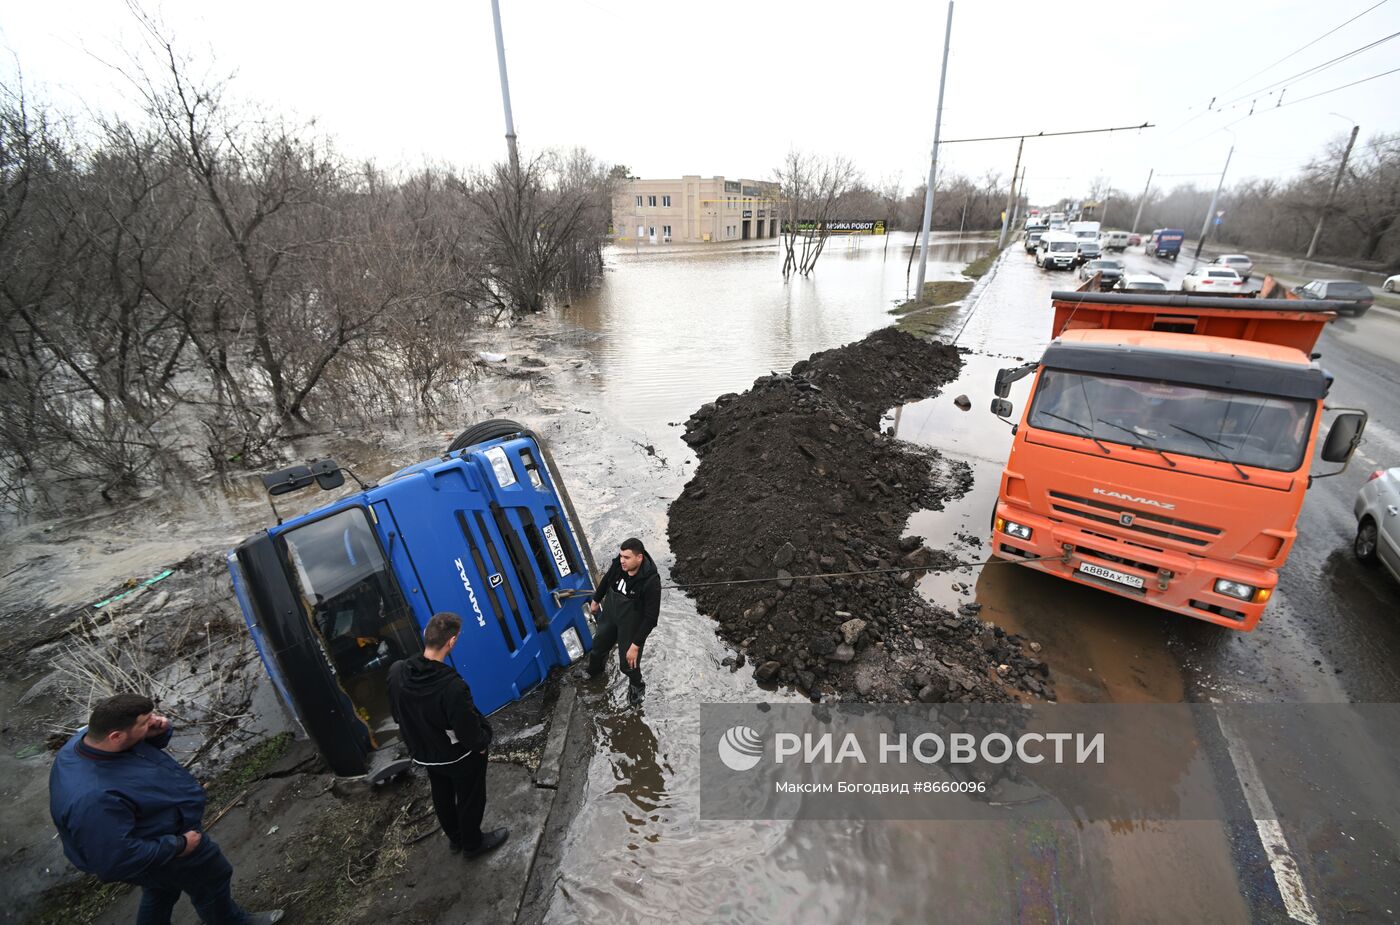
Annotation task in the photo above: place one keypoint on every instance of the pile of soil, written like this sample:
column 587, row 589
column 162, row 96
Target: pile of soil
column 795, row 479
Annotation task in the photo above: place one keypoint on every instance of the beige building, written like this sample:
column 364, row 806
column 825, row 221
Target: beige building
column 694, row 209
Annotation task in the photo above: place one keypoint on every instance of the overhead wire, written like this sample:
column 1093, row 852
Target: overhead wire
column 1302, row 49
column 1312, row 71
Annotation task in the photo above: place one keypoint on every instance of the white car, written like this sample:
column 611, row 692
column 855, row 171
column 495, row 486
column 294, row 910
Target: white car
column 1391, row 284
column 1237, row 262
column 1140, row 282
column 1213, row 280
column 1377, row 512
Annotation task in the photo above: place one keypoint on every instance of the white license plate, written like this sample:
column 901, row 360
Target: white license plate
column 1123, row 578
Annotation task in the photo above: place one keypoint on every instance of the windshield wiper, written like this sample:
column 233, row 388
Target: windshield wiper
column 1088, row 430
column 1142, row 441
column 1212, row 444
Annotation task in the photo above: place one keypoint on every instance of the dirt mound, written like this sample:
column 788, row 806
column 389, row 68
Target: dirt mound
column 796, row 480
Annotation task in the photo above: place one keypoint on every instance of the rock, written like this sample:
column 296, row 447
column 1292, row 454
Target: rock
column 963, row 402
column 1033, row 646
column 784, row 579
column 784, row 556
column 932, row 693
column 864, row 684
column 910, row 543
column 822, row 645
column 844, row 653
column 767, row 671
column 970, row 609
column 851, row 631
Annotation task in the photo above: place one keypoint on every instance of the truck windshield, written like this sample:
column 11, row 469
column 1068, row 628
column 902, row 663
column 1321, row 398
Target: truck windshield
column 1252, row 430
column 353, row 604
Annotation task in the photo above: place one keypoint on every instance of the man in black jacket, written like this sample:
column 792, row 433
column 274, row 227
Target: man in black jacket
column 447, row 735
column 630, row 600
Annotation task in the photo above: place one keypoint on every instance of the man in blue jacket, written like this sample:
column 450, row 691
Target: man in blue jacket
column 128, row 811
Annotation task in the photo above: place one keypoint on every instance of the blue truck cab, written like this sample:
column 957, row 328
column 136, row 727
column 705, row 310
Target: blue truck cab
column 332, row 598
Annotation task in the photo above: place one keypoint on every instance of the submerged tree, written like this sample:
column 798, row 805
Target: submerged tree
column 810, row 189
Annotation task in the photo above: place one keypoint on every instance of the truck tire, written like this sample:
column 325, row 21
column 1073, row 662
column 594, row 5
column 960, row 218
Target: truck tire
column 493, row 429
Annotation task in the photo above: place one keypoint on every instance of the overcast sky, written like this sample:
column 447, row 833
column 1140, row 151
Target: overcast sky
column 727, row 87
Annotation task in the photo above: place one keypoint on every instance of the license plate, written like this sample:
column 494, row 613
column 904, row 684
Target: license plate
column 1123, row 578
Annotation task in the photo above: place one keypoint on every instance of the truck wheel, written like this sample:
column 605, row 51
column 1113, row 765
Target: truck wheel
column 493, row 429
column 1365, row 543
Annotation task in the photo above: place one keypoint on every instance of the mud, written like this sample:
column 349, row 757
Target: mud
column 796, row 482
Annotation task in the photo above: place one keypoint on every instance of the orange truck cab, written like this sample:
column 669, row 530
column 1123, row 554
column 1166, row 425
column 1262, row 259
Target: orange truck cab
column 1165, row 449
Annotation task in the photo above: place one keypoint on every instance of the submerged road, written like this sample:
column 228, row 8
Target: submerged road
column 1331, row 633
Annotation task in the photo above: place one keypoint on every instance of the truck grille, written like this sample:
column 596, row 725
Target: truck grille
column 1143, row 523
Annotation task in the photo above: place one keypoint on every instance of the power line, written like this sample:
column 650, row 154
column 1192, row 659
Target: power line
column 1304, row 99
column 1304, row 48
column 1087, row 131
column 1312, row 70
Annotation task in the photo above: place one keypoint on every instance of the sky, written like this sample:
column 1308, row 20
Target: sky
column 727, row 87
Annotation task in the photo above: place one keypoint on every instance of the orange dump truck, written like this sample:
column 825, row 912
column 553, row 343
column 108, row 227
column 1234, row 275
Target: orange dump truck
column 1166, row 447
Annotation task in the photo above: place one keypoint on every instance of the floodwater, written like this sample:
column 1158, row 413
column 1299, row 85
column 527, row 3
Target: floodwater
column 668, row 332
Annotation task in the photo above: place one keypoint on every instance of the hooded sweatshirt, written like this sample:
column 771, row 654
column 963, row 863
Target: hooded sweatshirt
column 427, row 699
column 632, row 602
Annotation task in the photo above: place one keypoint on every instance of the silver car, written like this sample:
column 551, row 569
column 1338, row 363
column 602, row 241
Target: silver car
column 1377, row 512
column 1240, row 263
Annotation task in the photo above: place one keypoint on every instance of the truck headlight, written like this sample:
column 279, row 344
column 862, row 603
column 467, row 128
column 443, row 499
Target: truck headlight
column 505, row 476
column 1235, row 589
column 572, row 644
column 1010, row 528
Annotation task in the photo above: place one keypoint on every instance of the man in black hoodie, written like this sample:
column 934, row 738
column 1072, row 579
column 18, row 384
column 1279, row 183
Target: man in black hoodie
column 446, row 734
column 630, row 599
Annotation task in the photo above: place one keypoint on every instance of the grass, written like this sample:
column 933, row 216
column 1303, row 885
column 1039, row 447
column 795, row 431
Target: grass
column 245, row 769
column 939, row 292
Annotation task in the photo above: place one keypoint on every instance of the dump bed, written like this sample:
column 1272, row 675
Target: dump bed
column 1288, row 322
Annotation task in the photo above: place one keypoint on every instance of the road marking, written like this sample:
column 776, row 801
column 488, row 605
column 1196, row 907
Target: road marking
column 1285, row 867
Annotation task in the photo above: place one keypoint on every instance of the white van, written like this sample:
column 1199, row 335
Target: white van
column 1114, row 240
column 1057, row 250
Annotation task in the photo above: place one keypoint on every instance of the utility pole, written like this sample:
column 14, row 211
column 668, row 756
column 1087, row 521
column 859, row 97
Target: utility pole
column 505, row 89
column 1210, row 213
column 1010, row 196
column 933, row 157
column 1143, row 201
column 1016, row 207
column 1336, row 183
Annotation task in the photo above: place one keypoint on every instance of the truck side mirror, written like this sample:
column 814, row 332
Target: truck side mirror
column 1007, row 376
column 1001, row 407
column 327, row 473
column 283, row 481
column 1344, row 436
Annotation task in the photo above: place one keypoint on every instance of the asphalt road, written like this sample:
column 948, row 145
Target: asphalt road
column 1331, row 633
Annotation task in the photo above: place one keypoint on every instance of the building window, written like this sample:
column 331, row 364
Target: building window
column 666, row 231
column 651, row 232
column 666, row 201
column 639, row 202
column 651, row 201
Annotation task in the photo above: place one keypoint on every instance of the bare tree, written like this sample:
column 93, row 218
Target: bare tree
column 810, row 188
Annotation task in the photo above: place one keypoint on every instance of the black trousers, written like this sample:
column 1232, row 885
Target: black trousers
column 459, row 799
column 204, row 875
column 603, row 643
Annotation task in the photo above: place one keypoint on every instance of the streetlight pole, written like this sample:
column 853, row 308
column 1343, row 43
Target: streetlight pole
column 933, row 157
column 1143, row 201
column 505, row 89
column 1210, row 213
column 1336, row 184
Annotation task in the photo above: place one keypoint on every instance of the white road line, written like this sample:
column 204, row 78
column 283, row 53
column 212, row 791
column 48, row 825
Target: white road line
column 1285, row 867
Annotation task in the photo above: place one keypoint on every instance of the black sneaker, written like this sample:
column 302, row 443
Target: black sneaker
column 635, row 694
column 490, row 841
column 454, row 846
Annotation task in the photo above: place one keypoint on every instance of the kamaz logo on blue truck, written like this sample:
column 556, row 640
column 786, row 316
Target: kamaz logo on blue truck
column 334, row 597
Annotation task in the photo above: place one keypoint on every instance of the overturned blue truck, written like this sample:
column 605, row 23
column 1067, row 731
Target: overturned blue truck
column 332, row 598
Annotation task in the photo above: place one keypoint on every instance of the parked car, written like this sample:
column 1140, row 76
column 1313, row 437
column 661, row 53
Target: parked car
column 1237, row 262
column 1134, row 240
column 1111, row 269
column 1342, row 290
column 1377, row 510
column 1392, row 283
column 1140, row 282
column 1214, row 280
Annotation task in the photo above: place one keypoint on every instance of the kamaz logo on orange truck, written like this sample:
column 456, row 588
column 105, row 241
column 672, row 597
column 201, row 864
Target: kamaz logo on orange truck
column 1135, row 499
